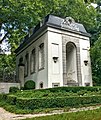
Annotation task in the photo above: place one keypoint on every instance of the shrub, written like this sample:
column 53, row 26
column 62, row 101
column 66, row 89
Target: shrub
column 30, row 84
column 57, row 102
column 3, row 97
column 82, row 92
column 11, row 99
column 13, row 89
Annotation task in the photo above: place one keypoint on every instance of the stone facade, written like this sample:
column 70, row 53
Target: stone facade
column 61, row 54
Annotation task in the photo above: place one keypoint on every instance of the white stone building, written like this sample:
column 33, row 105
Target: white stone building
column 55, row 54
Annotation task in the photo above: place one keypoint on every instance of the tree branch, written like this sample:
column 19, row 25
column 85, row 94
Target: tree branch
column 3, row 37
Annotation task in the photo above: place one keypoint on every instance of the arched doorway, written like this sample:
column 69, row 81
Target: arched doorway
column 71, row 64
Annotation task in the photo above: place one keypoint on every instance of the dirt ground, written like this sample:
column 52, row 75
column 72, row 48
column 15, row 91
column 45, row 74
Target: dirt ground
column 5, row 115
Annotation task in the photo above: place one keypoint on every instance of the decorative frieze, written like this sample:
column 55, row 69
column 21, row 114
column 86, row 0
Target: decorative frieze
column 69, row 23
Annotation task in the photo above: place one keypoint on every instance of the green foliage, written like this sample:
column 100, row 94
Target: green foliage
column 3, row 97
column 59, row 92
column 7, row 63
column 13, row 89
column 82, row 92
column 57, row 102
column 27, row 101
column 11, row 99
column 96, row 61
column 30, row 84
column 55, row 97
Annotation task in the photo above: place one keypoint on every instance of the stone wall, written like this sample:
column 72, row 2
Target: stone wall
column 4, row 87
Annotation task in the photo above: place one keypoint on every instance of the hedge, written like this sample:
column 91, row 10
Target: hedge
column 55, row 91
column 74, row 89
column 3, row 97
column 70, row 89
column 57, row 102
column 13, row 89
column 53, row 102
column 11, row 99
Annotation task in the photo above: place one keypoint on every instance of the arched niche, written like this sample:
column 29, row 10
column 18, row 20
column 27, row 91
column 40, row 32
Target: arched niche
column 71, row 63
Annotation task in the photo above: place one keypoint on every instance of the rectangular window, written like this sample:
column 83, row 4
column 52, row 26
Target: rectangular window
column 55, row 84
column 32, row 61
column 26, row 64
column 41, row 56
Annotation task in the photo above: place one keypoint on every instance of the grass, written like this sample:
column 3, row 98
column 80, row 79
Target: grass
column 83, row 115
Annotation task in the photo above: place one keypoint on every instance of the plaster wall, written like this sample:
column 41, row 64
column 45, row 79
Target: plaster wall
column 54, row 73
column 85, row 55
column 39, row 75
column 55, row 69
column 81, row 42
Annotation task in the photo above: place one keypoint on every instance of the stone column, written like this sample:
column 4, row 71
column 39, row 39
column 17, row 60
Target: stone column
column 21, row 75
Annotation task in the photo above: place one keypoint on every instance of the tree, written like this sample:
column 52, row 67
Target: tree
column 18, row 16
column 96, row 48
column 96, row 61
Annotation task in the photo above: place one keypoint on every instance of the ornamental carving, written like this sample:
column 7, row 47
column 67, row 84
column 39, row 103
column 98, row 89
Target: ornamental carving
column 69, row 23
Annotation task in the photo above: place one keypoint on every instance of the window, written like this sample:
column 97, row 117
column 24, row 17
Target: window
column 41, row 85
column 21, row 61
column 87, row 84
column 32, row 61
column 55, row 84
column 26, row 64
column 41, row 56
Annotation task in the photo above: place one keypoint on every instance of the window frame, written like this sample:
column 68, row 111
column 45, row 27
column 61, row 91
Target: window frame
column 41, row 57
column 26, row 69
column 33, row 58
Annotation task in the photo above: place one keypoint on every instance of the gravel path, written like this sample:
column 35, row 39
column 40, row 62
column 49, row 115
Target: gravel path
column 5, row 115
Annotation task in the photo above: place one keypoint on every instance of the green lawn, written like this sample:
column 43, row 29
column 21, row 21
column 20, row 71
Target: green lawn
column 84, row 115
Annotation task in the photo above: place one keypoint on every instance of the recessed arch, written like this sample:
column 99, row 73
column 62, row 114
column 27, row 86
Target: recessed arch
column 71, row 63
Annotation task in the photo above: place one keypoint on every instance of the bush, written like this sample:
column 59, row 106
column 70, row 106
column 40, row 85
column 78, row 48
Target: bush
column 3, row 97
column 59, row 92
column 74, row 89
column 54, row 97
column 57, row 102
column 30, row 84
column 13, row 89
column 11, row 99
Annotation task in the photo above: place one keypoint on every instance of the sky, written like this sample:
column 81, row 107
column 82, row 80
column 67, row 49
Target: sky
column 5, row 45
column 94, row 5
